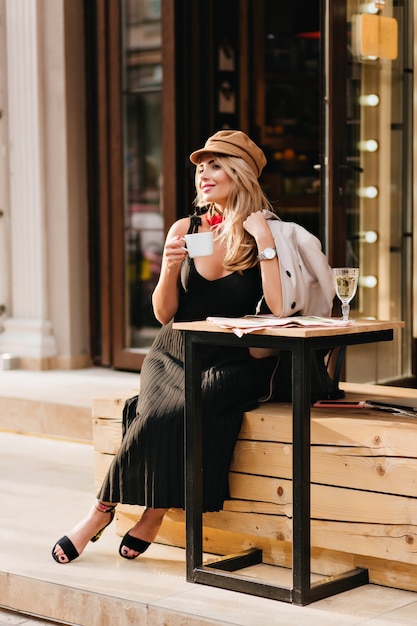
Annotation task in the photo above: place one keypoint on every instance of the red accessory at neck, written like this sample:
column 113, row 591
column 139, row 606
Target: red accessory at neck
column 214, row 220
column 214, row 217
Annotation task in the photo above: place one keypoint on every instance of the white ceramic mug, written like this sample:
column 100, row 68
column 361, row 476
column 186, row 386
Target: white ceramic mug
column 199, row 244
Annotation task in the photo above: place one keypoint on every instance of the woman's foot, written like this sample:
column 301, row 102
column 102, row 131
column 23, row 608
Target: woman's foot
column 90, row 528
column 140, row 537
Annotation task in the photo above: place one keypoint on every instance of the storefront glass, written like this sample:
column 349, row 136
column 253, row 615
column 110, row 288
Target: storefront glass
column 378, row 233
column 282, row 85
column 143, row 219
column 287, row 106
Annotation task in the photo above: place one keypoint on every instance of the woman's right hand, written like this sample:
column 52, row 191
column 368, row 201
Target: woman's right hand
column 174, row 251
column 165, row 297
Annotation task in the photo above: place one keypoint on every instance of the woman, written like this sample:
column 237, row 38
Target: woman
column 242, row 271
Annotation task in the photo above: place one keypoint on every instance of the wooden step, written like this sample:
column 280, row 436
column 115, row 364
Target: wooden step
column 51, row 419
column 364, row 492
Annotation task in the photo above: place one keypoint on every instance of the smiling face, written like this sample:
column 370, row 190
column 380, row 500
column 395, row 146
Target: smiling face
column 212, row 181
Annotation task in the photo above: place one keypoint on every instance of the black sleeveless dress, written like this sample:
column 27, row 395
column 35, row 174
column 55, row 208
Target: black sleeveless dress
column 149, row 467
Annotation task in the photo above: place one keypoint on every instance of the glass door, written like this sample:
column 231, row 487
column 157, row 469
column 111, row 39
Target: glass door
column 142, row 159
column 286, row 77
column 374, row 168
column 148, row 105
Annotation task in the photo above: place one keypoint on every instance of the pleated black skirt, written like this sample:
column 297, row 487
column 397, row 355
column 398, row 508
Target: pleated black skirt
column 149, row 467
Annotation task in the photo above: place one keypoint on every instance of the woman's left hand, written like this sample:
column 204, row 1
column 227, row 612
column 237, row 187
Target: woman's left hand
column 256, row 225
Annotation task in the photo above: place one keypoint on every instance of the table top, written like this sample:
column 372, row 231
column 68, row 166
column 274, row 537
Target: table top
column 359, row 326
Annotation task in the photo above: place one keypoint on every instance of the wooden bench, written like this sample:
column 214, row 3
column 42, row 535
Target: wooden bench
column 364, row 488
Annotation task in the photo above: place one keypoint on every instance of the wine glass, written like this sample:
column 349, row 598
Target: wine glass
column 346, row 282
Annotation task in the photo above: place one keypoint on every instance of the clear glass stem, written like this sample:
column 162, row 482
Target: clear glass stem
column 345, row 311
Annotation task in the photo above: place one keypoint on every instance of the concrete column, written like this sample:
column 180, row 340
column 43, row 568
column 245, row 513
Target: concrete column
column 4, row 178
column 28, row 332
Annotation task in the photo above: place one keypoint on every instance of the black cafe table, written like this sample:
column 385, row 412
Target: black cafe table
column 302, row 342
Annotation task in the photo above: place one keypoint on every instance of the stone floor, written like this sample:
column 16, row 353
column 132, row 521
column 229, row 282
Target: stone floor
column 47, row 485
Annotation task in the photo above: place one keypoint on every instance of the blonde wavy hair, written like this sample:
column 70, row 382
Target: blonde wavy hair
column 245, row 197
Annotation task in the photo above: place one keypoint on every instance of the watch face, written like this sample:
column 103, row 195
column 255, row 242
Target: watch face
column 268, row 253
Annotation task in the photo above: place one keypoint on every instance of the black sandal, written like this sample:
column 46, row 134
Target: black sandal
column 132, row 543
column 70, row 551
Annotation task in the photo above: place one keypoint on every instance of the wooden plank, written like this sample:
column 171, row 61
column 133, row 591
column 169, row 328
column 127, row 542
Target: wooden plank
column 384, row 435
column 70, row 422
column 272, row 496
column 271, row 421
column 101, row 465
column 263, row 458
column 379, row 390
column 392, row 542
column 355, row 468
column 389, row 573
column 393, row 436
column 110, row 407
column 107, row 435
column 260, row 494
column 328, row 504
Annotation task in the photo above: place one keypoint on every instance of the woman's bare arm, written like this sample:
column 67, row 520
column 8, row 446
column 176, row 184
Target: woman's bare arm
column 165, row 297
column 257, row 226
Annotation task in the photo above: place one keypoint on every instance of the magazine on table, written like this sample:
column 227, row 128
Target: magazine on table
column 249, row 323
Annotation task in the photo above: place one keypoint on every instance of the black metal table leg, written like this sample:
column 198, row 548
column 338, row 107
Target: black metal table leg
column 220, row 572
column 301, row 368
column 193, row 457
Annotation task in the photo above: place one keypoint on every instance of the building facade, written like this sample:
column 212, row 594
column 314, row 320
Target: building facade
column 101, row 103
column 43, row 181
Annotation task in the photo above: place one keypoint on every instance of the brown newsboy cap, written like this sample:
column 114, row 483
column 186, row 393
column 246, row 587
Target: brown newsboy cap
column 233, row 143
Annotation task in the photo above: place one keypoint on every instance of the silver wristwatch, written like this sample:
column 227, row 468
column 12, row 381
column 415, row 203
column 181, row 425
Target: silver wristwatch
column 267, row 254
